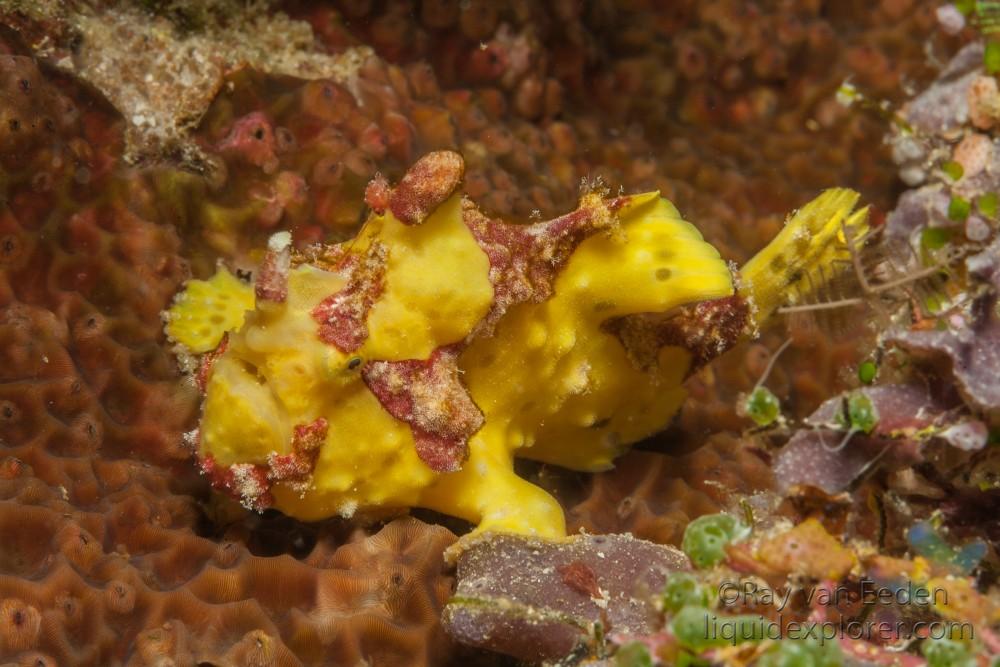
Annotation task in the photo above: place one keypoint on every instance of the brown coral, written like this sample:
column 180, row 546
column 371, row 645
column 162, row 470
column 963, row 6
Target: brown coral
column 533, row 87
column 127, row 579
column 345, row 130
column 161, row 75
column 83, row 280
column 102, row 561
column 654, row 496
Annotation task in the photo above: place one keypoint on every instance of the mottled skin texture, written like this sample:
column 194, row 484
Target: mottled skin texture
column 441, row 343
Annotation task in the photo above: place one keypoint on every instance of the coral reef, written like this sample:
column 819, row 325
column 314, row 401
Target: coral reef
column 84, row 274
column 103, row 560
column 727, row 109
column 797, row 593
column 653, row 496
column 777, row 68
column 126, row 579
column 715, row 102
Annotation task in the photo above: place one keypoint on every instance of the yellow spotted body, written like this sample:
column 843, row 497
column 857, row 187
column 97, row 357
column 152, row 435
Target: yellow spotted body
column 551, row 382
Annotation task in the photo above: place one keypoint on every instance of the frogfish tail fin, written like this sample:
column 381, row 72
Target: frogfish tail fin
column 813, row 248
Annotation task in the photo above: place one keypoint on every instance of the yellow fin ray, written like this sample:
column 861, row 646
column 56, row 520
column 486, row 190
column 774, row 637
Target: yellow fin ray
column 813, row 239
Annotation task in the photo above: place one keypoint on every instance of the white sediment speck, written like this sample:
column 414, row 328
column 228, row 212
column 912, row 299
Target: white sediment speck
column 951, row 20
column 347, row 509
column 847, row 94
column 279, row 241
column 190, row 438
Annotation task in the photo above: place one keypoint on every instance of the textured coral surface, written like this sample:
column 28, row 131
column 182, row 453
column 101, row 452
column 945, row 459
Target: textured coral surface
column 113, row 551
column 653, row 495
column 107, row 557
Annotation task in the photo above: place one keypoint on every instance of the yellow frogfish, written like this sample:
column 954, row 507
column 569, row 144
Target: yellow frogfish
column 408, row 366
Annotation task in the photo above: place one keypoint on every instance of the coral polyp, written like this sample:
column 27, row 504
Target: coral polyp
column 410, row 365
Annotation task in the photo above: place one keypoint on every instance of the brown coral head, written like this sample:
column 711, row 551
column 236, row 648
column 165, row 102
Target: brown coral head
column 165, row 641
column 11, row 467
column 120, row 596
column 79, row 546
column 382, row 597
column 19, row 625
column 426, row 186
column 258, row 649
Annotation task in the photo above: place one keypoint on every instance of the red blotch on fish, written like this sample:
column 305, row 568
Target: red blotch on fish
column 272, row 279
column 246, row 482
column 342, row 316
column 525, row 259
column 298, row 465
column 208, row 361
column 429, row 396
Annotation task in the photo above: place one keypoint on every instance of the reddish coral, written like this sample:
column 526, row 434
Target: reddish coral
column 25, row 93
column 251, row 138
column 602, row 68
